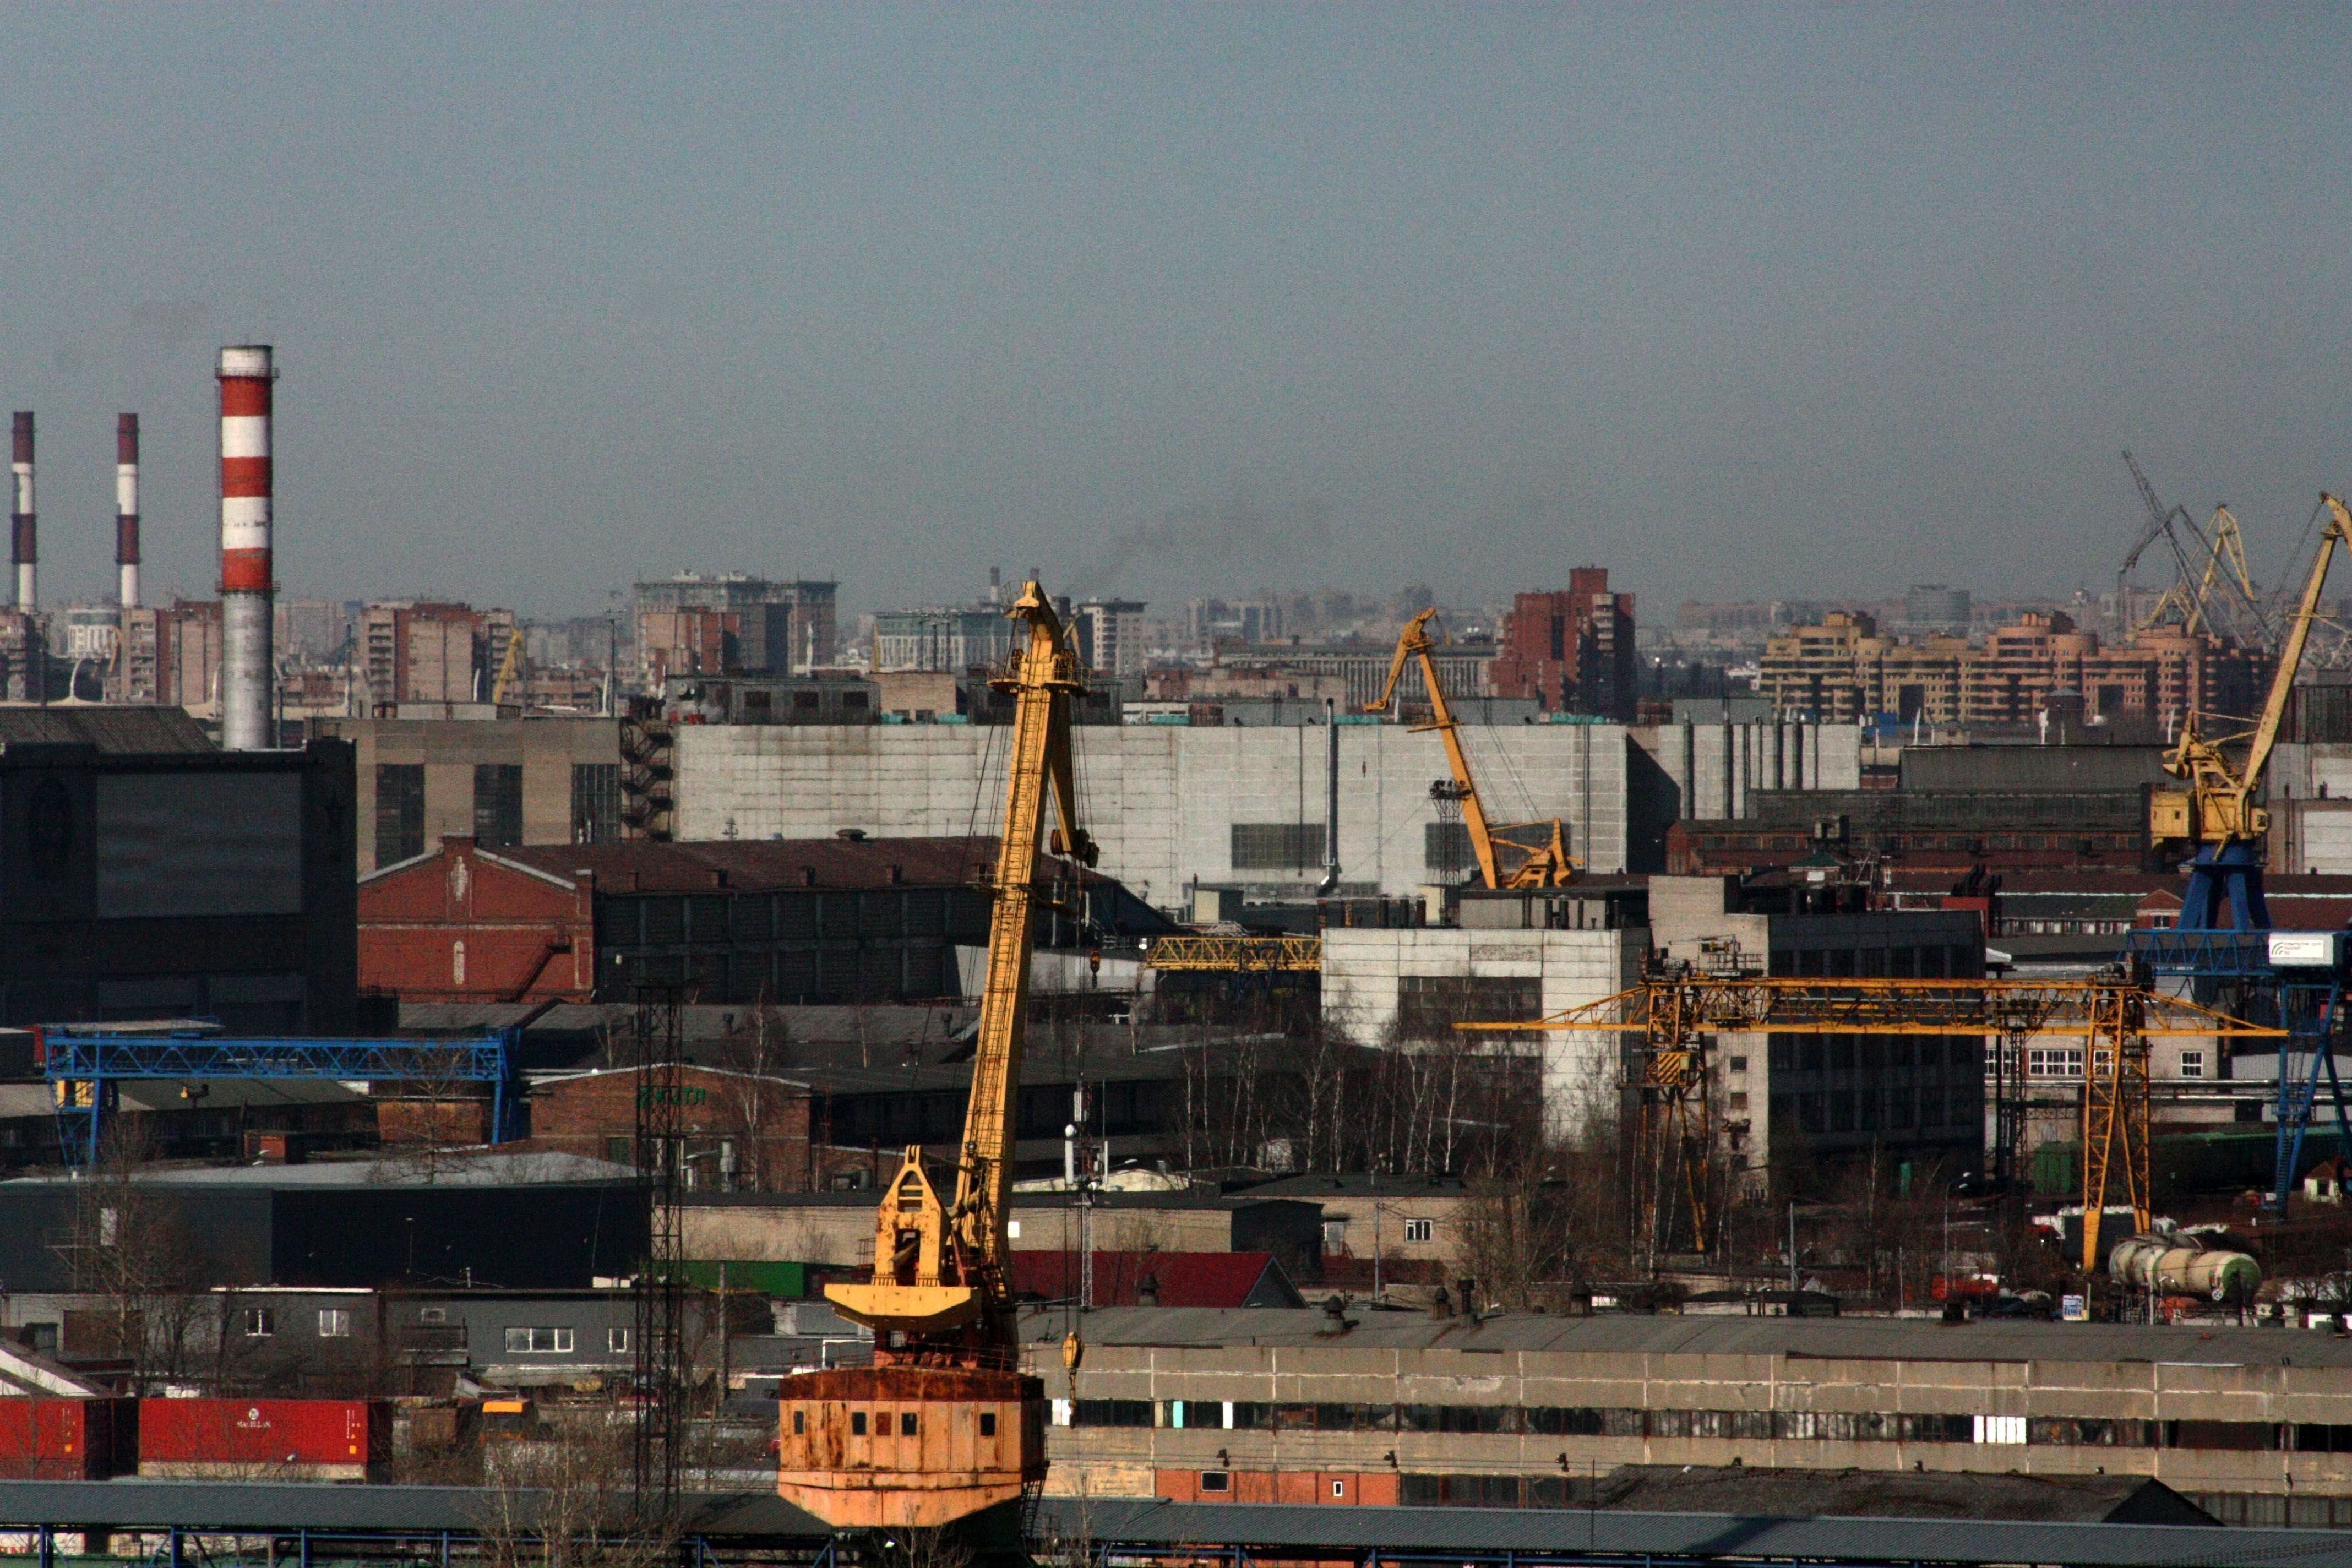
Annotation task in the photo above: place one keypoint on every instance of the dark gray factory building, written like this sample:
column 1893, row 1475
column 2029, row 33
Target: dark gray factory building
column 146, row 874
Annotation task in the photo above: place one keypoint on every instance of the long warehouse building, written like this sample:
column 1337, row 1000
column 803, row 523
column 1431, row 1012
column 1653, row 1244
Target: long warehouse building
column 1398, row 1407
column 1170, row 803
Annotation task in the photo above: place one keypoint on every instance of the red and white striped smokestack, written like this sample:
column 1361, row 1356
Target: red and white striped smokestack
column 22, row 549
column 126, row 507
column 246, row 676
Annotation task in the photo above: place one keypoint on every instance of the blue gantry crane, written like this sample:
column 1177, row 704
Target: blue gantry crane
column 2224, row 937
column 84, row 1063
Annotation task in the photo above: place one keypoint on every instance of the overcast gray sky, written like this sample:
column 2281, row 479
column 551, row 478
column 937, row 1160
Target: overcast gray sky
column 1740, row 301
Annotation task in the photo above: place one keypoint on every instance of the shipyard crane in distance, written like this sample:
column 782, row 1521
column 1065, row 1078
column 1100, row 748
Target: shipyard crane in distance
column 1507, row 857
column 944, row 1425
column 2215, row 815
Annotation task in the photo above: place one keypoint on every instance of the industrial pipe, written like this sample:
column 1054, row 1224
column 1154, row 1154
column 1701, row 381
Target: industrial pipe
column 247, row 487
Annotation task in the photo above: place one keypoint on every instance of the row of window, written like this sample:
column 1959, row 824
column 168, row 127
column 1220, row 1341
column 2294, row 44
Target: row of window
column 1899, row 1108
column 1880, row 963
column 1754, row 1425
column 1869, row 1053
column 909, row 1423
column 335, row 1324
column 497, row 807
column 832, row 919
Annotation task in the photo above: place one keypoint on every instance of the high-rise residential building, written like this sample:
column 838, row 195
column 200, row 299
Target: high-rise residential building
column 171, row 657
column 719, row 623
column 1208, row 621
column 948, row 641
column 1573, row 652
column 1933, row 606
column 1110, row 635
column 1844, row 672
column 313, row 630
column 423, row 651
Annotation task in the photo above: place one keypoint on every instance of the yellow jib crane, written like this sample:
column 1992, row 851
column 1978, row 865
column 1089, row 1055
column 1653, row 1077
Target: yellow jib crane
column 2216, row 814
column 1503, row 861
column 509, row 668
column 944, row 1424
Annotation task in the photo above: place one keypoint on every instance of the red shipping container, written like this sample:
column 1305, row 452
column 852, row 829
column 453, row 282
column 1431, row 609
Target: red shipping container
column 67, row 1440
column 266, row 1439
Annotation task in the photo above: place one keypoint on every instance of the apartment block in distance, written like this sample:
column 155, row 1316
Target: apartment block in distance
column 1571, row 652
column 429, row 655
column 729, row 623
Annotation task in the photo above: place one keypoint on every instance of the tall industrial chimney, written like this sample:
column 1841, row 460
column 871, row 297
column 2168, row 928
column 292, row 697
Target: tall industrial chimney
column 245, row 681
column 126, row 507
column 21, row 547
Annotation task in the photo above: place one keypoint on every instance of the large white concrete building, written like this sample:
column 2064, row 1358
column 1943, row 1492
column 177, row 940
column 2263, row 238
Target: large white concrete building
column 1377, row 982
column 1170, row 805
column 1175, row 804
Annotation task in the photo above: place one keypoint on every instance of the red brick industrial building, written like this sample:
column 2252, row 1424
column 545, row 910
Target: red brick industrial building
column 786, row 922
column 1571, row 652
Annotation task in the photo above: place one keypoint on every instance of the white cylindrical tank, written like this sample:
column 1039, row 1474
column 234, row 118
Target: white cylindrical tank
column 2162, row 1263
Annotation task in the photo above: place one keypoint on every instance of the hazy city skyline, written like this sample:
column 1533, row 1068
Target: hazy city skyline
column 1740, row 303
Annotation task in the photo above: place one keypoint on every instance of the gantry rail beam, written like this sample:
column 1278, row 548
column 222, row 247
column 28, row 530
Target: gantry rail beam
column 80, row 1062
column 1675, row 1012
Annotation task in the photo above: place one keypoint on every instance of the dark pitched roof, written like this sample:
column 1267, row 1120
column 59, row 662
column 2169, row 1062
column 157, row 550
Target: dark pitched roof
column 769, row 865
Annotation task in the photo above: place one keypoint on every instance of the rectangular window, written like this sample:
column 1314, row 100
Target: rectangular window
column 1420, row 1229
column 1219, row 1481
column 857, row 1423
column 907, row 1424
column 539, row 1342
column 2057, row 1061
column 617, row 1340
column 260, row 1323
column 1430, row 1004
column 399, row 812
column 800, row 1422
column 2192, row 1064
column 498, row 804
column 1277, row 846
column 335, row 1323
column 988, row 1423
column 1445, row 847
column 596, row 803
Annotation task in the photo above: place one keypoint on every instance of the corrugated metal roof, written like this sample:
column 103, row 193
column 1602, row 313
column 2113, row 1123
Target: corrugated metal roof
column 270, row 1506
column 114, row 731
column 1571, row 1532
column 535, row 1168
column 1869, row 1338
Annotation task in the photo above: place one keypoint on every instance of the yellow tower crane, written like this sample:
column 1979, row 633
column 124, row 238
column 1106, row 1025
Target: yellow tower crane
column 1505, row 857
column 944, row 1424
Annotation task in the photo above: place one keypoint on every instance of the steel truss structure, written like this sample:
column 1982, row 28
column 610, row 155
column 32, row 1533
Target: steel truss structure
column 1236, row 955
column 1668, row 1073
column 83, row 1064
column 2306, row 1000
column 659, row 1439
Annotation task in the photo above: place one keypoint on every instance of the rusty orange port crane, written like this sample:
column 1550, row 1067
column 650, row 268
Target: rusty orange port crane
column 944, row 1425
column 1512, row 854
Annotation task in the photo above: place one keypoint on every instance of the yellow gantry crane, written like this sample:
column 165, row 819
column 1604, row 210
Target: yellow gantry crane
column 944, row 1425
column 1677, row 1011
column 2215, row 813
column 1504, row 860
